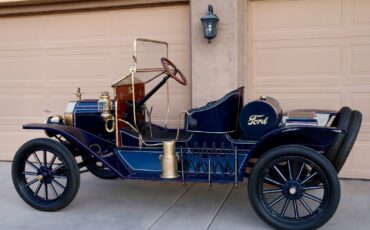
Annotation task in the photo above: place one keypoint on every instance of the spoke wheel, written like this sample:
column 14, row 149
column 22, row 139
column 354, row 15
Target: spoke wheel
column 45, row 174
column 289, row 200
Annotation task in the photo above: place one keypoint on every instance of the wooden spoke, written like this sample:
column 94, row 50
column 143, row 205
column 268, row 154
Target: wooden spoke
column 278, row 171
column 312, row 197
column 313, row 187
column 309, row 177
column 276, row 201
column 283, row 210
column 36, row 159
column 59, row 177
column 31, row 182
column 30, row 173
column 300, row 172
column 59, row 184
column 46, row 191
column 32, row 165
column 295, row 208
column 45, row 159
column 38, row 188
column 273, row 181
column 305, row 205
column 290, row 171
column 55, row 191
column 56, row 168
column 268, row 191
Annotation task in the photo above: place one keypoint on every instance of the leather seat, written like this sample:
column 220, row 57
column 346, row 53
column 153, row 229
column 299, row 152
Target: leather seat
column 219, row 116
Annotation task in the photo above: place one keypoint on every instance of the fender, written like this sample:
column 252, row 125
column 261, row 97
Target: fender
column 317, row 138
column 87, row 142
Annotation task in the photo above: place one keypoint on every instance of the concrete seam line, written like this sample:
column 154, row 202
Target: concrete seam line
column 219, row 207
column 169, row 207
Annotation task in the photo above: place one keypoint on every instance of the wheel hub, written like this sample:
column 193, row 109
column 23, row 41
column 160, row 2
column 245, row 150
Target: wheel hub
column 292, row 189
column 40, row 177
column 44, row 175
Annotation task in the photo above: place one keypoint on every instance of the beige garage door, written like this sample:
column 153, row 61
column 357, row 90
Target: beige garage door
column 314, row 54
column 44, row 58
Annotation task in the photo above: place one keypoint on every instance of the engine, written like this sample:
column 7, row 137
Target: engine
column 102, row 116
column 260, row 117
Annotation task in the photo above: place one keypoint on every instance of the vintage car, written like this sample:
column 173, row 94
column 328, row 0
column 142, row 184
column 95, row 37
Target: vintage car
column 291, row 159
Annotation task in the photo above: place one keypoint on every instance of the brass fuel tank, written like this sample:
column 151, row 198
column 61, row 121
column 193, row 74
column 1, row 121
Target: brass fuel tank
column 169, row 160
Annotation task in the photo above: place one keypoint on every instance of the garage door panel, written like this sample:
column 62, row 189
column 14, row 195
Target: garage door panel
column 298, row 62
column 43, row 59
column 279, row 19
column 315, row 54
column 28, row 103
column 64, row 27
column 14, row 140
column 79, row 66
column 21, row 68
column 162, row 20
column 360, row 59
column 299, row 100
column 357, row 163
column 297, row 15
column 360, row 12
column 31, row 26
column 360, row 101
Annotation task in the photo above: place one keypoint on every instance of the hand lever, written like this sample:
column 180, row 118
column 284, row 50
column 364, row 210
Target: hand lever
column 149, row 114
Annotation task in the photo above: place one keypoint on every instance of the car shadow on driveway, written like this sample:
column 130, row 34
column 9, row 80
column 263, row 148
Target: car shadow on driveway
column 116, row 204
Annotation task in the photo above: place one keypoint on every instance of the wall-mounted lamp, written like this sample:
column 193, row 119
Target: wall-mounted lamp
column 209, row 23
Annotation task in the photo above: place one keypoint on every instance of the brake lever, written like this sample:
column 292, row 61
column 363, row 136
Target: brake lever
column 149, row 114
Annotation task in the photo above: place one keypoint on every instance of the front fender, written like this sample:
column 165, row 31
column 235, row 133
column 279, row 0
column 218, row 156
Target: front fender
column 317, row 138
column 89, row 143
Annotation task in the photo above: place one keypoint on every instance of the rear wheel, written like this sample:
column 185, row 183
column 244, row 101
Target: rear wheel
column 45, row 174
column 289, row 201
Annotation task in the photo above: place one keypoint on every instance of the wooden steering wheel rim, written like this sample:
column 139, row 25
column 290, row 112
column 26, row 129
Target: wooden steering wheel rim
column 166, row 64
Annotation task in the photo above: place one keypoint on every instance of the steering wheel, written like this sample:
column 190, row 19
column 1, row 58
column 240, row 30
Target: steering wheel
column 172, row 70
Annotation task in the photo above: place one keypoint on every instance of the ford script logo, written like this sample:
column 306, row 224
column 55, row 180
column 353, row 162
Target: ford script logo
column 257, row 120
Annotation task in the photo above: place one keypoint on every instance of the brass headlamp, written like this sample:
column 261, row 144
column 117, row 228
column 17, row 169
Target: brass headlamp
column 105, row 107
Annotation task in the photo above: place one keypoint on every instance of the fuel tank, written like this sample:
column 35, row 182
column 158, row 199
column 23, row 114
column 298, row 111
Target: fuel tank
column 260, row 117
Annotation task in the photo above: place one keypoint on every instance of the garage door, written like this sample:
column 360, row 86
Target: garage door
column 44, row 58
column 314, row 54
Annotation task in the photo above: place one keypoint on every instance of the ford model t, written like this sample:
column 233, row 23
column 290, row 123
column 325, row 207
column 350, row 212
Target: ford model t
column 291, row 158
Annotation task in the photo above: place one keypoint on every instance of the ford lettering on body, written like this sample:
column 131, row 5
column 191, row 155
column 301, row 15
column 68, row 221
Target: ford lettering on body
column 257, row 120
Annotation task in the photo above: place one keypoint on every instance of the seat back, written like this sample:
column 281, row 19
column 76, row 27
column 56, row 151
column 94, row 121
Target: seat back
column 221, row 116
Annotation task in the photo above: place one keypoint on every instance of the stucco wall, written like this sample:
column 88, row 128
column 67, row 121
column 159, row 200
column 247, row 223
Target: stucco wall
column 220, row 66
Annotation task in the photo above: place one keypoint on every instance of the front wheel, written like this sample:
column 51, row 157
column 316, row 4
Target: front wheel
column 290, row 201
column 45, row 174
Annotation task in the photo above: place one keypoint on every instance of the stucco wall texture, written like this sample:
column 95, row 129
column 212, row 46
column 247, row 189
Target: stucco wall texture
column 220, row 66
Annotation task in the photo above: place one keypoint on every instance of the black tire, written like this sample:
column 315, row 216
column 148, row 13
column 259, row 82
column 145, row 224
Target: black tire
column 349, row 140
column 61, row 174
column 97, row 169
column 290, row 192
column 341, row 121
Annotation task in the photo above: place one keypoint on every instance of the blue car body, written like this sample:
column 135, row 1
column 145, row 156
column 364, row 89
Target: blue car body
column 211, row 148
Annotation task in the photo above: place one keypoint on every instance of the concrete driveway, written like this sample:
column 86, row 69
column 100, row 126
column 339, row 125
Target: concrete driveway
column 115, row 204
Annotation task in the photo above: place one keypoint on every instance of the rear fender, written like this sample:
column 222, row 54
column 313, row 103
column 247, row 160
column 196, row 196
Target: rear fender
column 89, row 143
column 317, row 138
